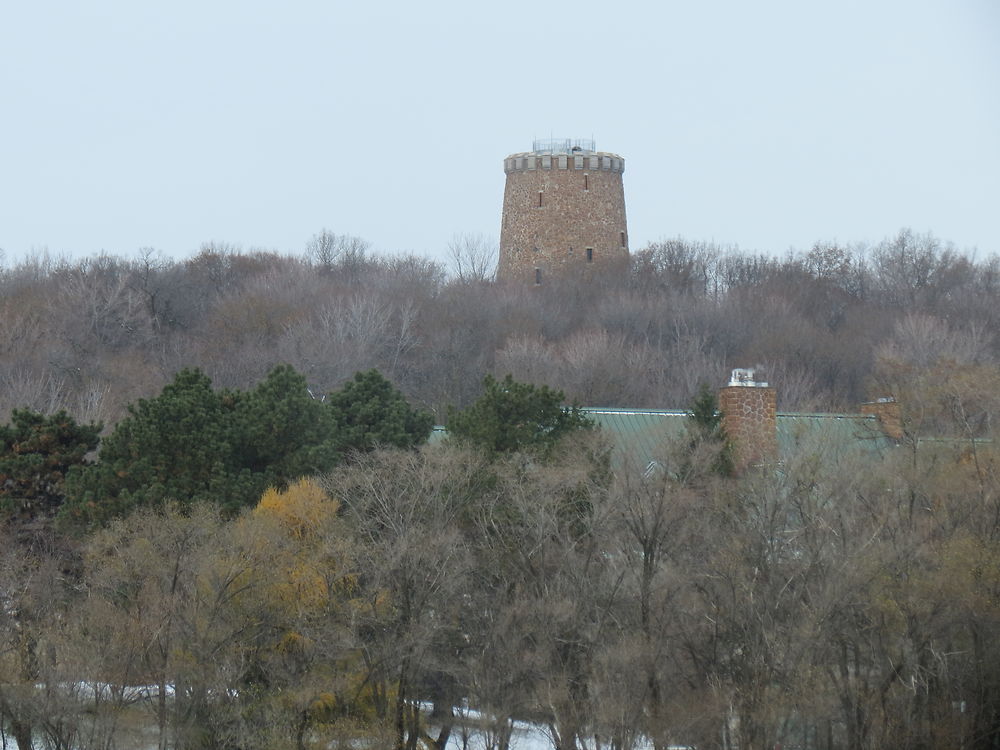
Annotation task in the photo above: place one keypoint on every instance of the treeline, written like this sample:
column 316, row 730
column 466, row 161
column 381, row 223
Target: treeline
column 429, row 597
column 92, row 336
column 176, row 584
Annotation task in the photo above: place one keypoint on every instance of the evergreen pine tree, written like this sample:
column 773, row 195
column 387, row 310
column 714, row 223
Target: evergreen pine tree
column 176, row 446
column 705, row 429
column 512, row 416
column 36, row 453
column 280, row 432
column 368, row 412
column 192, row 444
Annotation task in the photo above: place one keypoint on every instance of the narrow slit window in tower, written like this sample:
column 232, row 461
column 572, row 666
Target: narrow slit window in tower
column 586, row 182
column 538, row 275
column 623, row 239
column 590, row 255
column 539, row 198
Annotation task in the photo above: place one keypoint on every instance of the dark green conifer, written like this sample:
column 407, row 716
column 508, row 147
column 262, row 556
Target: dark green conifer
column 176, row 446
column 36, row 453
column 512, row 416
column 705, row 430
column 368, row 412
column 192, row 444
column 280, row 432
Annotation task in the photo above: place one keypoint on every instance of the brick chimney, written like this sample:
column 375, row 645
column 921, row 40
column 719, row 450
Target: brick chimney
column 750, row 418
column 890, row 419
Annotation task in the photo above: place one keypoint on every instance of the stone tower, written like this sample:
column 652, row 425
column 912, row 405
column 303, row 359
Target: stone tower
column 563, row 213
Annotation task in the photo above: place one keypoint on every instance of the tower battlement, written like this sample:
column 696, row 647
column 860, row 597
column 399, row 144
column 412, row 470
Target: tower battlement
column 531, row 160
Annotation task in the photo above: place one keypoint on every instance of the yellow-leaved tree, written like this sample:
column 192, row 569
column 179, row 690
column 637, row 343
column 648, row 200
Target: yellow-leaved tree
column 311, row 583
column 242, row 631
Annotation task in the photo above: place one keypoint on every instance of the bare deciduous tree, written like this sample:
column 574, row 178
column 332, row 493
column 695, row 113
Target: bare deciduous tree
column 326, row 250
column 473, row 257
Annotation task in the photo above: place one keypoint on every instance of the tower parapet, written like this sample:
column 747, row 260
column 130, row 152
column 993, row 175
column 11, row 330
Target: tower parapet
column 563, row 213
column 578, row 160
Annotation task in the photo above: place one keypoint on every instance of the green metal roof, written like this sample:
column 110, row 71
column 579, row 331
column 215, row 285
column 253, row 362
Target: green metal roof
column 831, row 436
column 645, row 434
column 642, row 437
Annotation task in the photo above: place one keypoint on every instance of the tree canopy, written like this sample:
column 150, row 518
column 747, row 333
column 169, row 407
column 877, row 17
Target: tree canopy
column 368, row 412
column 194, row 444
column 512, row 416
column 36, row 453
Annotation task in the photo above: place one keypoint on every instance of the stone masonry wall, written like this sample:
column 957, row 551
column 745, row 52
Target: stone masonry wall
column 563, row 214
column 750, row 419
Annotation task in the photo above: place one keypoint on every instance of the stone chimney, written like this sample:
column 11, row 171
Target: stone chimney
column 750, row 418
column 890, row 419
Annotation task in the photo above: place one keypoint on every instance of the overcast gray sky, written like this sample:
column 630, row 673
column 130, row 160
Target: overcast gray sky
column 770, row 124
